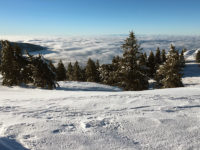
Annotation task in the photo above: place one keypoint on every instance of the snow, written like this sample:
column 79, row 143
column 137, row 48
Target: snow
column 91, row 116
column 49, row 120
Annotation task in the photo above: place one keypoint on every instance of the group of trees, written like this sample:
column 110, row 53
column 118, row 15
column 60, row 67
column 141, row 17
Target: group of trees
column 131, row 71
column 17, row 68
column 75, row 73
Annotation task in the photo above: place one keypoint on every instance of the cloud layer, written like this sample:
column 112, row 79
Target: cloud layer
column 100, row 47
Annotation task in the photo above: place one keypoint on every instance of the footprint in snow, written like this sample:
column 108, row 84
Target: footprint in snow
column 65, row 128
column 97, row 123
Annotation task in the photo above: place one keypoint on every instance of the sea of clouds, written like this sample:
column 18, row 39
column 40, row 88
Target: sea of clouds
column 103, row 48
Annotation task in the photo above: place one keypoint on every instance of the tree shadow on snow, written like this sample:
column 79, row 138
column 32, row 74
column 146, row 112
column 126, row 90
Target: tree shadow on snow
column 191, row 70
column 10, row 144
column 97, row 89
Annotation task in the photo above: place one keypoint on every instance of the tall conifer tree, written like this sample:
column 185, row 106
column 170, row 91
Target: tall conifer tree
column 163, row 56
column 61, row 72
column 169, row 74
column 132, row 77
column 151, row 64
column 77, row 72
column 91, row 71
column 70, row 72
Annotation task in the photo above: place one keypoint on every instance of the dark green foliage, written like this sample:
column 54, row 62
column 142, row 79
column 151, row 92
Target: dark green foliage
column 11, row 64
column 116, row 75
column 151, row 64
column 198, row 57
column 143, row 60
column 130, row 71
column 110, row 73
column 182, row 59
column 17, row 69
column 83, row 74
column 42, row 75
column 53, row 68
column 163, row 56
column 61, row 72
column 98, row 73
column 158, row 57
column 106, row 74
column 77, row 76
column 91, row 71
column 70, row 72
column 168, row 75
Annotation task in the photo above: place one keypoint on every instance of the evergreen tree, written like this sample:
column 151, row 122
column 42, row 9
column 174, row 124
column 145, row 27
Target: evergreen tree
column 182, row 59
column 53, row 68
column 145, row 56
column 130, row 71
column 158, row 57
column 91, row 71
column 61, row 72
column 83, row 74
column 198, row 57
column 143, row 60
column 11, row 67
column 70, row 72
column 169, row 74
column 163, row 56
column 97, row 68
column 77, row 72
column 42, row 75
column 151, row 64
column 143, row 63
column 106, row 74
column 115, row 74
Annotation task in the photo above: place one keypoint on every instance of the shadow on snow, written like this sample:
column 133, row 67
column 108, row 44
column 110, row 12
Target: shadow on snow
column 10, row 144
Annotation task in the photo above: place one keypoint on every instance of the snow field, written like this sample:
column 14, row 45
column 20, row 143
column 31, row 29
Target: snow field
column 90, row 116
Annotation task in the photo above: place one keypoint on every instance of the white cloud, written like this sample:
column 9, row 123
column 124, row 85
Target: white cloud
column 101, row 47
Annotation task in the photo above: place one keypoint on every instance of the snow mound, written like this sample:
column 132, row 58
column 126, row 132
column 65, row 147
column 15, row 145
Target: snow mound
column 191, row 54
column 85, row 86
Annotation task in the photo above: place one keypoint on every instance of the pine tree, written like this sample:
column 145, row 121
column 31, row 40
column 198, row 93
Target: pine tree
column 151, row 64
column 83, row 74
column 61, row 72
column 91, row 71
column 97, row 68
column 145, row 56
column 77, row 72
column 169, row 74
column 70, row 72
column 182, row 59
column 163, row 56
column 42, row 75
column 143, row 60
column 158, row 57
column 115, row 74
column 106, row 74
column 198, row 57
column 130, row 71
column 53, row 68
column 11, row 67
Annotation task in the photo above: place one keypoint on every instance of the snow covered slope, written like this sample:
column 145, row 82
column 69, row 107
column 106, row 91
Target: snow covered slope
column 62, row 120
column 78, row 116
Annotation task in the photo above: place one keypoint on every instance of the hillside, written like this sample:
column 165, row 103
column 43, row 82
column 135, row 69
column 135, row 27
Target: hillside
column 91, row 116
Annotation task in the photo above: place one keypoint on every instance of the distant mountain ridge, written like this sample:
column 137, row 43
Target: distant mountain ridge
column 29, row 47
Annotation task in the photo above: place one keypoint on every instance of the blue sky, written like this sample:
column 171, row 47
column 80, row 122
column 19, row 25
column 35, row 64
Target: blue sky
column 93, row 17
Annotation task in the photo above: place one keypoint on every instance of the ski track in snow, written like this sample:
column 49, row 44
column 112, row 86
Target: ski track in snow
column 89, row 116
